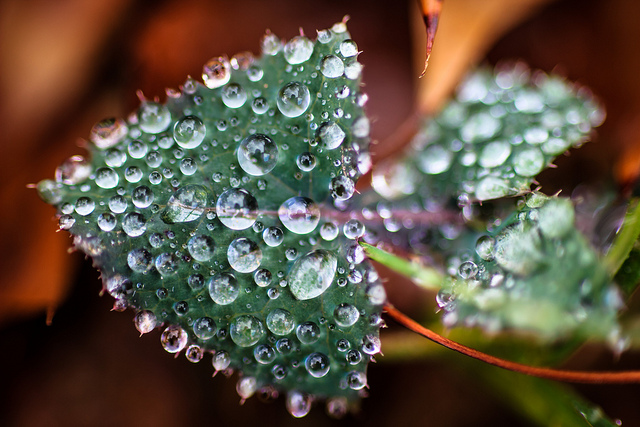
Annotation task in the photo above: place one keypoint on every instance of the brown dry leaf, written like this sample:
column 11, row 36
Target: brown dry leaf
column 467, row 30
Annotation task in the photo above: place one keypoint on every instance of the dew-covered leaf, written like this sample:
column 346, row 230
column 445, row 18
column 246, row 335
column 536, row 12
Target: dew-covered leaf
column 212, row 215
column 501, row 130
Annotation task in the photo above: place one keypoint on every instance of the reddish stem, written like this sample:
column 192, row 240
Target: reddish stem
column 587, row 377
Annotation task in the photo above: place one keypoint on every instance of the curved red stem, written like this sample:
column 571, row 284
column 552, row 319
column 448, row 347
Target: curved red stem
column 623, row 377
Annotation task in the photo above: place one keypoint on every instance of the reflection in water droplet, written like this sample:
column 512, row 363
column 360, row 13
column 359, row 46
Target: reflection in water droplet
column 299, row 215
column 246, row 387
column 484, row 247
column 246, row 330
column 186, row 205
column 331, row 67
column 74, row 170
column 237, row 209
column 189, row 132
column 494, row 154
column 233, row 95
column 293, row 99
column 264, row 354
column 280, row 322
column 134, row 224
column 356, row 380
column 528, row 162
column 140, row 260
column 145, row 321
column 216, row 72
column 107, row 221
column 346, row 315
column 166, row 264
column 308, row 332
column 492, row 187
column 330, row 135
column 306, row 162
column 84, row 206
column 106, row 178
column 312, row 274
column 298, row 404
column 244, row 255
column 257, row 154
column 201, row 247
column 221, row 360
column 348, row 48
column 174, row 339
column 298, row 50
column 153, row 117
column 342, row 188
column 108, row 133
column 223, row 288
column 317, row 364
column 204, row 328
column 273, row 236
column 142, row 197
column 329, row 231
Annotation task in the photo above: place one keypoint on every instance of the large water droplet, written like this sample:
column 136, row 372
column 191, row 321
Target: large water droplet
column 356, row 380
column 234, row 95
column 280, row 322
column 308, row 332
column 237, row 209
column 479, row 127
column 107, row 221
column 223, row 288
column 73, row 171
column 298, row 404
column 166, row 264
column 246, row 330
column 346, row 315
column 244, row 255
column 257, row 154
column 221, row 360
column 273, row 236
column 494, row 154
column 293, row 99
column 491, row 187
column 153, row 117
column 342, row 188
column 216, row 72
column 201, row 247
column 264, row 354
column 84, row 206
column 435, row 160
column 348, row 48
column 204, row 328
column 317, row 364
column 106, row 178
column 174, row 339
column 306, row 162
column 189, row 132
column 299, row 215
column 134, row 224
column 108, row 133
column 140, row 260
column 298, row 50
column 330, row 135
column 331, row 67
column 484, row 247
column 246, row 387
column 186, row 205
column 528, row 162
column 142, row 197
column 312, row 274
column 556, row 218
column 145, row 321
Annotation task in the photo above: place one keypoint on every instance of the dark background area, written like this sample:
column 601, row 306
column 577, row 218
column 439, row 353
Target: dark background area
column 66, row 64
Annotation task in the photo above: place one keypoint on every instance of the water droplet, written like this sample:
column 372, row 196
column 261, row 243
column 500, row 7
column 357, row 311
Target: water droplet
column 142, row 197
column 280, row 322
column 293, row 99
column 528, row 162
column 174, row 339
column 306, row 162
column 279, row 372
column 376, row 294
column 189, row 132
column 299, row 215
column 262, row 277
column 330, row 135
column 221, row 360
column 84, row 206
column 348, row 48
column 480, row 127
column 354, row 253
column 298, row 404
column 108, row 133
column 246, row 387
column 145, row 321
column 186, row 205
column 73, row 171
column 298, row 50
column 329, row 231
column 273, row 236
column 317, row 364
column 106, row 178
column 201, row 247
column 153, row 117
column 352, row 71
column 194, row 353
column 65, row 222
column 356, row 380
column 117, row 204
column 134, row 224
column 166, row 264
column 244, row 255
column 342, row 188
column 468, row 270
column 246, row 330
column 140, row 260
column 308, row 332
column 260, row 105
column 264, row 354
column 353, row 357
column 216, row 72
column 484, row 247
column 346, row 315
column 137, row 149
column 133, row 174
column 491, row 187
column 494, row 154
column 312, row 274
column 257, row 154
column 255, row 73
column 205, row 328
column 331, row 67
column 233, row 95
column 337, row 407
column 435, row 160
column 556, row 218
column 107, row 221
column 188, row 166
column 371, row 344
column 361, row 127
column 223, row 288
column 237, row 209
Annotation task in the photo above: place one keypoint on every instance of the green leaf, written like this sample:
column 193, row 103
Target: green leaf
column 213, row 216
column 502, row 129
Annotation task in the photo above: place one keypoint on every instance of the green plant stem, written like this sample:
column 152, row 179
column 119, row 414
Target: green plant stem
column 427, row 277
column 625, row 238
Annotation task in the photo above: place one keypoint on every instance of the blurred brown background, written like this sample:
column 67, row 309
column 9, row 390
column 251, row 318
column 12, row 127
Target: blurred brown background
column 65, row 64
